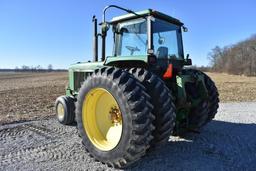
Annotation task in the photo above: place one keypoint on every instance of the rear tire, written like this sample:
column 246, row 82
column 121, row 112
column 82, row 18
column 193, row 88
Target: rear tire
column 206, row 110
column 135, row 109
column 162, row 100
column 65, row 110
column 214, row 100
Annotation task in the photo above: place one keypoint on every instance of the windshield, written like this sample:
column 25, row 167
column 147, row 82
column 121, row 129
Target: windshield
column 167, row 39
column 131, row 38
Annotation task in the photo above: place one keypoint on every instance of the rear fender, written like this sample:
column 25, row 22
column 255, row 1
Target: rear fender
column 184, row 102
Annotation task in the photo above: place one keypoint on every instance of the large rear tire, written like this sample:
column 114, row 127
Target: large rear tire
column 207, row 109
column 162, row 100
column 114, row 117
column 214, row 100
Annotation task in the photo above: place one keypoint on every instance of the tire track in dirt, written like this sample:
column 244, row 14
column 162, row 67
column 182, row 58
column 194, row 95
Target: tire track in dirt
column 18, row 131
column 29, row 154
column 54, row 149
column 39, row 130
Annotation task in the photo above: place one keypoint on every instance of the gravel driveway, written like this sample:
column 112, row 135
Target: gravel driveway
column 227, row 143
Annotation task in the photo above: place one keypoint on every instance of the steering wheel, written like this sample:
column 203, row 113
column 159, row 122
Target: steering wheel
column 132, row 49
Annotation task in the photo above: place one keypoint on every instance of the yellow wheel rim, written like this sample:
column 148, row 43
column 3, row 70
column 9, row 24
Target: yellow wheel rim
column 102, row 119
column 60, row 111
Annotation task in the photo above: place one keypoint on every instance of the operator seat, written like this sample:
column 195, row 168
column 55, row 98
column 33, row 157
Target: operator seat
column 162, row 57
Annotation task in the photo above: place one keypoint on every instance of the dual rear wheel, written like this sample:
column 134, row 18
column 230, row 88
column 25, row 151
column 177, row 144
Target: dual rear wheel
column 206, row 110
column 117, row 115
column 114, row 117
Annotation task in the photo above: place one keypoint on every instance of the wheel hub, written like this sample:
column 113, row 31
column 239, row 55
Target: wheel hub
column 115, row 115
column 60, row 111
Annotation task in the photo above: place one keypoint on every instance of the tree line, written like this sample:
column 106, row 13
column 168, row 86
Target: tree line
column 239, row 59
column 38, row 68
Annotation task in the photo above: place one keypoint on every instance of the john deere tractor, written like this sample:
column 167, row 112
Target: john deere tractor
column 133, row 101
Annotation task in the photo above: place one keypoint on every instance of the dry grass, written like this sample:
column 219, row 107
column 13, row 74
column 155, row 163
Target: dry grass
column 234, row 88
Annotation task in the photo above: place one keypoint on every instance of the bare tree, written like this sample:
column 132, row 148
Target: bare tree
column 235, row 59
column 50, row 67
column 25, row 68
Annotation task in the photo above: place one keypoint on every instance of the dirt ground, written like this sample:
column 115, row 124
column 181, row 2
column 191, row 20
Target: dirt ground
column 29, row 96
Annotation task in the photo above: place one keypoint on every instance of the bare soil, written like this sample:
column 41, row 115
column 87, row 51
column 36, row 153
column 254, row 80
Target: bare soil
column 30, row 96
column 27, row 96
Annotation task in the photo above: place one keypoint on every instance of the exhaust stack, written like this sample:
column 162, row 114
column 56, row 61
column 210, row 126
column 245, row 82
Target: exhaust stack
column 95, row 39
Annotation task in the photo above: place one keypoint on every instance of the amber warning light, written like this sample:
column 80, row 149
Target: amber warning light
column 168, row 72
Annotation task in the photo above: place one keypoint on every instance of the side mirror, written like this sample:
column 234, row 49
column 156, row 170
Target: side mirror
column 185, row 29
column 187, row 61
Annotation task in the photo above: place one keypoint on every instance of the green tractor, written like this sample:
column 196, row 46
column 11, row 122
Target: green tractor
column 131, row 102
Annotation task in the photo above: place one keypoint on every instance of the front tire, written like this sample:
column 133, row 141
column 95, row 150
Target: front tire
column 107, row 89
column 65, row 110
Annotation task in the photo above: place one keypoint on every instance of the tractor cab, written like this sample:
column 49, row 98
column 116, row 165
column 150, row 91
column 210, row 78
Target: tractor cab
column 148, row 38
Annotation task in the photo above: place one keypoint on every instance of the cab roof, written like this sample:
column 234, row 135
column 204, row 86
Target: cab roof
column 145, row 13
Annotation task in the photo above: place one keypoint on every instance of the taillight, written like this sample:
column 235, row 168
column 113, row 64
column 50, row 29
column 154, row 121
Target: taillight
column 168, row 72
